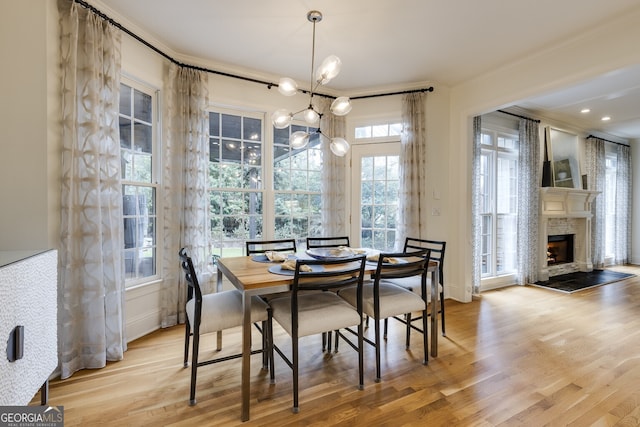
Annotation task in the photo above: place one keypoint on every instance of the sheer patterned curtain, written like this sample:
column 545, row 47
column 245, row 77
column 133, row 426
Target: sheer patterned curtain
column 413, row 163
column 185, row 163
column 529, row 179
column 91, row 270
column 476, row 225
column 596, row 173
column 622, row 240
column 333, row 186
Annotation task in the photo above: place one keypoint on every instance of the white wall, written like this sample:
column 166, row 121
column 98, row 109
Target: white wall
column 28, row 218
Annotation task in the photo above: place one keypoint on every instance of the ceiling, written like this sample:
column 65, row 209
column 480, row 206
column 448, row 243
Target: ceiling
column 391, row 45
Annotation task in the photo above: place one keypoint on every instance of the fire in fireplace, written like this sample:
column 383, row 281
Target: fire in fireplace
column 560, row 249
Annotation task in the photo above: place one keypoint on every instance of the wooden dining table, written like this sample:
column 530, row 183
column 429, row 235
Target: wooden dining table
column 254, row 278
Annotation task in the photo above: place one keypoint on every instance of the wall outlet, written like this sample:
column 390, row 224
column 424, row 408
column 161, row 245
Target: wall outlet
column 435, row 211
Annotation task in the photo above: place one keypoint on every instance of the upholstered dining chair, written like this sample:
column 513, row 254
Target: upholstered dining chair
column 309, row 310
column 382, row 299
column 278, row 245
column 215, row 312
column 437, row 248
column 327, row 242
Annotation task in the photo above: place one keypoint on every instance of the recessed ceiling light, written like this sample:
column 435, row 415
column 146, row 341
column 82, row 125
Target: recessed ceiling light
column 585, row 110
column 605, row 118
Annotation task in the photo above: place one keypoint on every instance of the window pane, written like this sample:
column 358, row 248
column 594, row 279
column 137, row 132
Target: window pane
column 142, row 106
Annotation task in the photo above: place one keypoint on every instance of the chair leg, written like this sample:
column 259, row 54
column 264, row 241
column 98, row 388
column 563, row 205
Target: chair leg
column 425, row 338
column 329, row 334
column 336, row 343
column 294, row 346
column 386, row 323
column 360, row 356
column 324, row 341
column 377, row 341
column 444, row 334
column 272, row 362
column 187, row 334
column 265, row 345
column 194, row 365
column 407, row 319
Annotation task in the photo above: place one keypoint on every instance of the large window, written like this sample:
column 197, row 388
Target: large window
column 297, row 177
column 137, row 149
column 235, row 180
column 498, row 202
column 609, row 194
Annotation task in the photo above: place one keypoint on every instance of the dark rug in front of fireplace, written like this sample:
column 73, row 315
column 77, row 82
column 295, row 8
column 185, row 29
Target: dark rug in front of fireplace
column 581, row 280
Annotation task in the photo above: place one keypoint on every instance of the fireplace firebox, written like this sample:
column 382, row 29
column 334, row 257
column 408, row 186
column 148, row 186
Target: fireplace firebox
column 559, row 249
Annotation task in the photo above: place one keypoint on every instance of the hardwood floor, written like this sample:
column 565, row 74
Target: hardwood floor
column 516, row 356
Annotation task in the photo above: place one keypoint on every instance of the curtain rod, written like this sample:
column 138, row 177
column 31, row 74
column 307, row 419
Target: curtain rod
column 606, row 140
column 269, row 85
column 426, row 89
column 519, row 116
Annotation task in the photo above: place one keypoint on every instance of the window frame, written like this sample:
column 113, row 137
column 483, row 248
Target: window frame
column 154, row 182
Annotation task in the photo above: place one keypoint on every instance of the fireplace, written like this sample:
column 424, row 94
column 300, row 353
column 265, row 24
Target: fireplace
column 559, row 249
column 564, row 243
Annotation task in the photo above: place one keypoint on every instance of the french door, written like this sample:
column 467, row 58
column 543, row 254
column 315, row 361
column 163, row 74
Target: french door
column 375, row 177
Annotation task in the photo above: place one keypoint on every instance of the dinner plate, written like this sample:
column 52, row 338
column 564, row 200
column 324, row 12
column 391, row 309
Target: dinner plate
column 329, row 253
column 277, row 269
column 263, row 258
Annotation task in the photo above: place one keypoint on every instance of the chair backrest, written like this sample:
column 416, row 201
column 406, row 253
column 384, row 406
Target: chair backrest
column 328, row 274
column 327, row 242
column 402, row 264
column 437, row 248
column 262, row 246
column 193, row 286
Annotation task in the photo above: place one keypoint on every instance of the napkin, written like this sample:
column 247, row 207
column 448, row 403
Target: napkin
column 388, row 260
column 291, row 265
column 275, row 256
column 345, row 249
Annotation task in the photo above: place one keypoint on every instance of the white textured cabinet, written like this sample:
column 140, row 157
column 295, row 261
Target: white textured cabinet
column 28, row 297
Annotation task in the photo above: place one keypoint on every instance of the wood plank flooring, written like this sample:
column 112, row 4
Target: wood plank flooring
column 516, row 356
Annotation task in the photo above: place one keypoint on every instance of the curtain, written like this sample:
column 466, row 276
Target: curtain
column 412, row 195
column 622, row 240
column 333, row 212
column 185, row 169
column 476, row 226
column 596, row 173
column 529, row 179
column 91, row 270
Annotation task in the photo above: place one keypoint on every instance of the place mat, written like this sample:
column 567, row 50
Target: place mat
column 277, row 269
column 263, row 258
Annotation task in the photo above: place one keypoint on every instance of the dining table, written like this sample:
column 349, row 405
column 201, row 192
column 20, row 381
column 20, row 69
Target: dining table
column 253, row 277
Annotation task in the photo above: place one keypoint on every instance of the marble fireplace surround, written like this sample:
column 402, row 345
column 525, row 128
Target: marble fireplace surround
column 565, row 211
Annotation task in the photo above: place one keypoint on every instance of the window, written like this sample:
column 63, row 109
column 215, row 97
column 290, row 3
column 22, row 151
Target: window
column 609, row 194
column 379, row 185
column 382, row 130
column 235, row 180
column 498, row 201
column 297, row 178
column 137, row 148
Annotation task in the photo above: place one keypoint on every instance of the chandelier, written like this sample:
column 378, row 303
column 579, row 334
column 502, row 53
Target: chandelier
column 341, row 106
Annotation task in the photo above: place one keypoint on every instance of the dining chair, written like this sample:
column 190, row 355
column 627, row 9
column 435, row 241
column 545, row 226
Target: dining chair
column 327, row 242
column 309, row 310
column 278, row 245
column 437, row 248
column 215, row 312
column 382, row 299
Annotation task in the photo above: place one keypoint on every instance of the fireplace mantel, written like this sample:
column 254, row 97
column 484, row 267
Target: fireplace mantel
column 566, row 202
column 565, row 211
